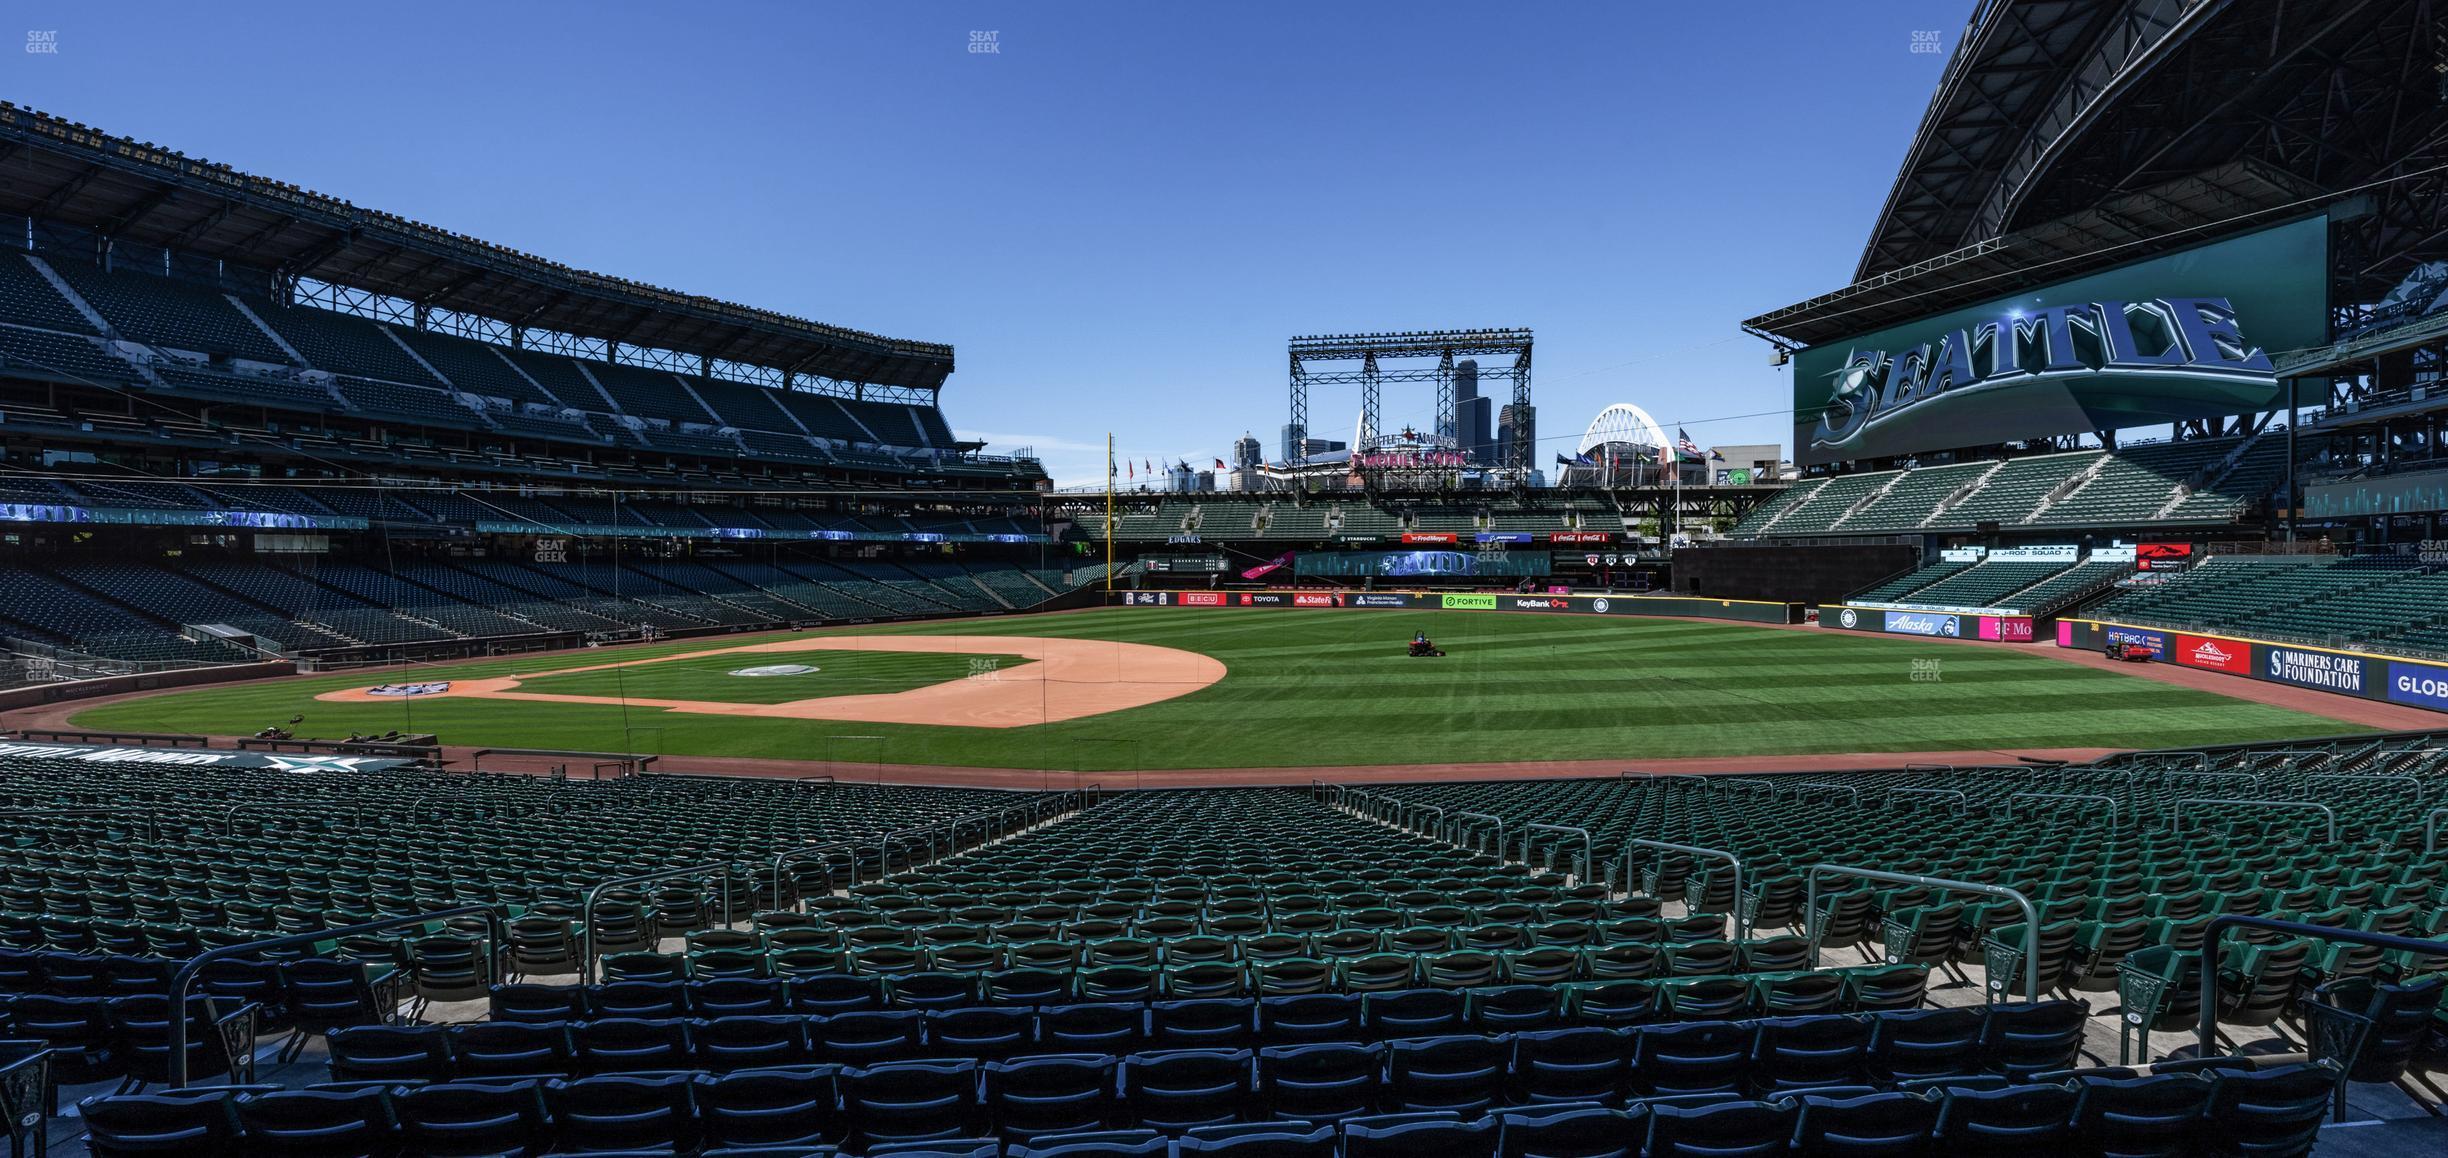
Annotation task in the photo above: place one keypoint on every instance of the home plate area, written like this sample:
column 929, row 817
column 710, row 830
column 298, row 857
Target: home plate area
column 1054, row 680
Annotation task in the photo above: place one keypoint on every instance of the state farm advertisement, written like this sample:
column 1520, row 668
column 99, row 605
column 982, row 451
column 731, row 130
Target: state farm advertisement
column 1317, row 599
column 2225, row 655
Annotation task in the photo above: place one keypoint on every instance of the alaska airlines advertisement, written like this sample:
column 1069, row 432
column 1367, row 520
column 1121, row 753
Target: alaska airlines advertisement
column 2186, row 335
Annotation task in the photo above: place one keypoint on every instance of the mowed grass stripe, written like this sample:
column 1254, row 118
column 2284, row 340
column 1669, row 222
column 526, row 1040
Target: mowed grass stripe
column 838, row 673
column 1333, row 687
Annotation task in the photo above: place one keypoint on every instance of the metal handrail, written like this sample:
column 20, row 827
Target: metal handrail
column 808, row 852
column 2420, row 790
column 2115, row 814
column 1422, row 809
column 1586, row 846
column 1832, row 785
column 229, row 823
column 586, row 909
column 2031, row 914
column 2219, row 924
column 2177, row 811
column 152, row 825
column 186, row 975
column 2260, row 780
column 1740, row 925
column 1498, row 821
column 1963, row 803
column 2431, row 821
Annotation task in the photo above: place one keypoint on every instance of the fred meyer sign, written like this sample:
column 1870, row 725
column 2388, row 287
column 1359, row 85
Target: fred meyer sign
column 2182, row 336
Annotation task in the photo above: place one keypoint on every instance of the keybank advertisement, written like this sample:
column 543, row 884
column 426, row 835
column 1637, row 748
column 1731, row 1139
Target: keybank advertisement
column 2186, row 335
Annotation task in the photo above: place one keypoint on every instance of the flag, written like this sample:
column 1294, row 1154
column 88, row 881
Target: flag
column 1277, row 563
column 1151, row 467
column 1584, row 459
column 1684, row 444
column 1219, row 464
column 1132, row 467
column 1563, row 461
column 1716, row 455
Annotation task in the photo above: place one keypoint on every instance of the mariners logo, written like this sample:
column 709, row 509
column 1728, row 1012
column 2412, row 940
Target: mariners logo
column 1848, row 618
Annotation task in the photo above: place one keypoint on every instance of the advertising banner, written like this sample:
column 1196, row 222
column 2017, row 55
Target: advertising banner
column 1506, row 538
column 2164, row 556
column 1202, row 599
column 2231, row 656
column 2156, row 642
column 2404, row 493
column 1922, row 623
column 1317, row 599
column 1430, row 537
column 1266, row 599
column 202, row 758
column 2054, row 553
column 2183, row 335
column 1146, row 598
column 1581, row 537
column 2006, row 628
column 2327, row 671
column 1372, row 599
column 2424, row 685
column 1427, row 564
column 1469, row 601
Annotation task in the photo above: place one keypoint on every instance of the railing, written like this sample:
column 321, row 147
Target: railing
column 1832, row 786
column 1740, row 922
column 586, row 909
column 151, row 825
column 186, row 975
column 2177, row 811
column 2431, row 821
column 2367, row 778
column 1963, row 803
column 809, row 852
column 1565, row 830
column 2208, row 1029
column 1461, row 817
column 2115, row 818
column 2031, row 915
column 229, row 822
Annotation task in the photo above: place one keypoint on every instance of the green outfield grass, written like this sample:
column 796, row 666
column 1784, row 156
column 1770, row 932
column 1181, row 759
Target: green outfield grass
column 1333, row 687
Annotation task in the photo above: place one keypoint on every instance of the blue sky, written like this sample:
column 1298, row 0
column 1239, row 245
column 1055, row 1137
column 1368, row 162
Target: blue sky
column 1120, row 215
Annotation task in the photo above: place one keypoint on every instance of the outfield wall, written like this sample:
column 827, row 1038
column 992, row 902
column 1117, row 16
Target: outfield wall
column 1675, row 606
column 1995, row 626
column 2393, row 679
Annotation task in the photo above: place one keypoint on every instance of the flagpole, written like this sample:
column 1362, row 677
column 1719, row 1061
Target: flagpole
column 1109, row 518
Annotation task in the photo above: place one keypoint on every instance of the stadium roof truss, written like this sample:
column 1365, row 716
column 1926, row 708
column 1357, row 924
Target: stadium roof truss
column 2051, row 107
column 1442, row 345
column 123, row 190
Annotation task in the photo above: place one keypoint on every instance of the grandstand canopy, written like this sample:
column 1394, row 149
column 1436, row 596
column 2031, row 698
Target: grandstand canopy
column 2051, row 107
column 57, row 171
column 2230, row 199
